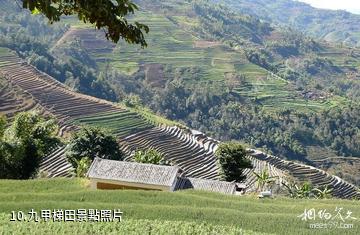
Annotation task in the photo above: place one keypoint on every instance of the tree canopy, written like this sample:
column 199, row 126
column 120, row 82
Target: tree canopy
column 2, row 125
column 232, row 160
column 104, row 14
column 24, row 143
column 91, row 142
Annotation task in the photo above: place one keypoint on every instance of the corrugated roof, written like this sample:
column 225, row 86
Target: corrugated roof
column 133, row 172
column 208, row 185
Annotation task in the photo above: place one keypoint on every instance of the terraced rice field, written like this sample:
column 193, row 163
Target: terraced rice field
column 195, row 155
column 53, row 96
column 274, row 93
column 168, row 45
column 315, row 176
column 179, row 148
column 121, row 123
column 13, row 101
column 172, row 42
column 191, row 151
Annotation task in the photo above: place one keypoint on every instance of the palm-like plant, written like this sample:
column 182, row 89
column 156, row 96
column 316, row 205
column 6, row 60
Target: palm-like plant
column 323, row 193
column 264, row 179
column 295, row 191
column 83, row 166
column 292, row 188
column 305, row 190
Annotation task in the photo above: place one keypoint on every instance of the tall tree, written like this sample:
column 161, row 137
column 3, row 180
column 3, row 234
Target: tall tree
column 232, row 160
column 91, row 142
column 104, row 14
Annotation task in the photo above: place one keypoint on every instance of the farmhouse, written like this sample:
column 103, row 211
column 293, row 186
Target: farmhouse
column 109, row 174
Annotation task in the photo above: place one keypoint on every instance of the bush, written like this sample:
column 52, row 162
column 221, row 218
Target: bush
column 151, row 156
column 232, row 160
column 83, row 166
column 133, row 101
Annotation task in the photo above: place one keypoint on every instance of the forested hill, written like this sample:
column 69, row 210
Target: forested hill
column 230, row 75
column 335, row 26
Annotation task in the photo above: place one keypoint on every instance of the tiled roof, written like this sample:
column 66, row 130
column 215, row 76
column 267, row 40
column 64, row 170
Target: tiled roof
column 208, row 185
column 133, row 172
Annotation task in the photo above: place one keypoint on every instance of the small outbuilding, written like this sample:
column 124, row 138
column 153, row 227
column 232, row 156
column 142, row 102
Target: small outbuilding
column 110, row 174
column 209, row 185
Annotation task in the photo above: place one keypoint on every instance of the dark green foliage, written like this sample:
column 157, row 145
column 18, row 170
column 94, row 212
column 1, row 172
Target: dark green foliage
column 339, row 129
column 92, row 142
column 314, row 66
column 31, row 128
column 261, row 58
column 32, row 38
column 24, row 143
column 232, row 160
column 105, row 14
column 2, row 125
column 151, row 156
column 132, row 101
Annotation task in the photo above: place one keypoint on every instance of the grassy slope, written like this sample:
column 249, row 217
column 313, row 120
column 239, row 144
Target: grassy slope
column 129, row 226
column 277, row 216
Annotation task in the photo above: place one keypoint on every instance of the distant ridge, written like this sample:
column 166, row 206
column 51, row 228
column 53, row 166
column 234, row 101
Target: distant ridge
column 337, row 26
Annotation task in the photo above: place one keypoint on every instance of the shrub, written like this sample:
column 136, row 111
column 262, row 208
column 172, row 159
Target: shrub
column 133, row 101
column 151, row 156
column 83, row 166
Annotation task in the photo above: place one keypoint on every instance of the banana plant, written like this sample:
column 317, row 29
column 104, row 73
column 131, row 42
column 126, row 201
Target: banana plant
column 306, row 190
column 264, row 179
column 295, row 191
column 292, row 189
column 83, row 166
column 323, row 193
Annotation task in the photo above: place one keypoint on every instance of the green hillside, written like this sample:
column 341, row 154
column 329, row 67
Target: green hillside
column 162, row 212
column 184, row 43
column 213, row 69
